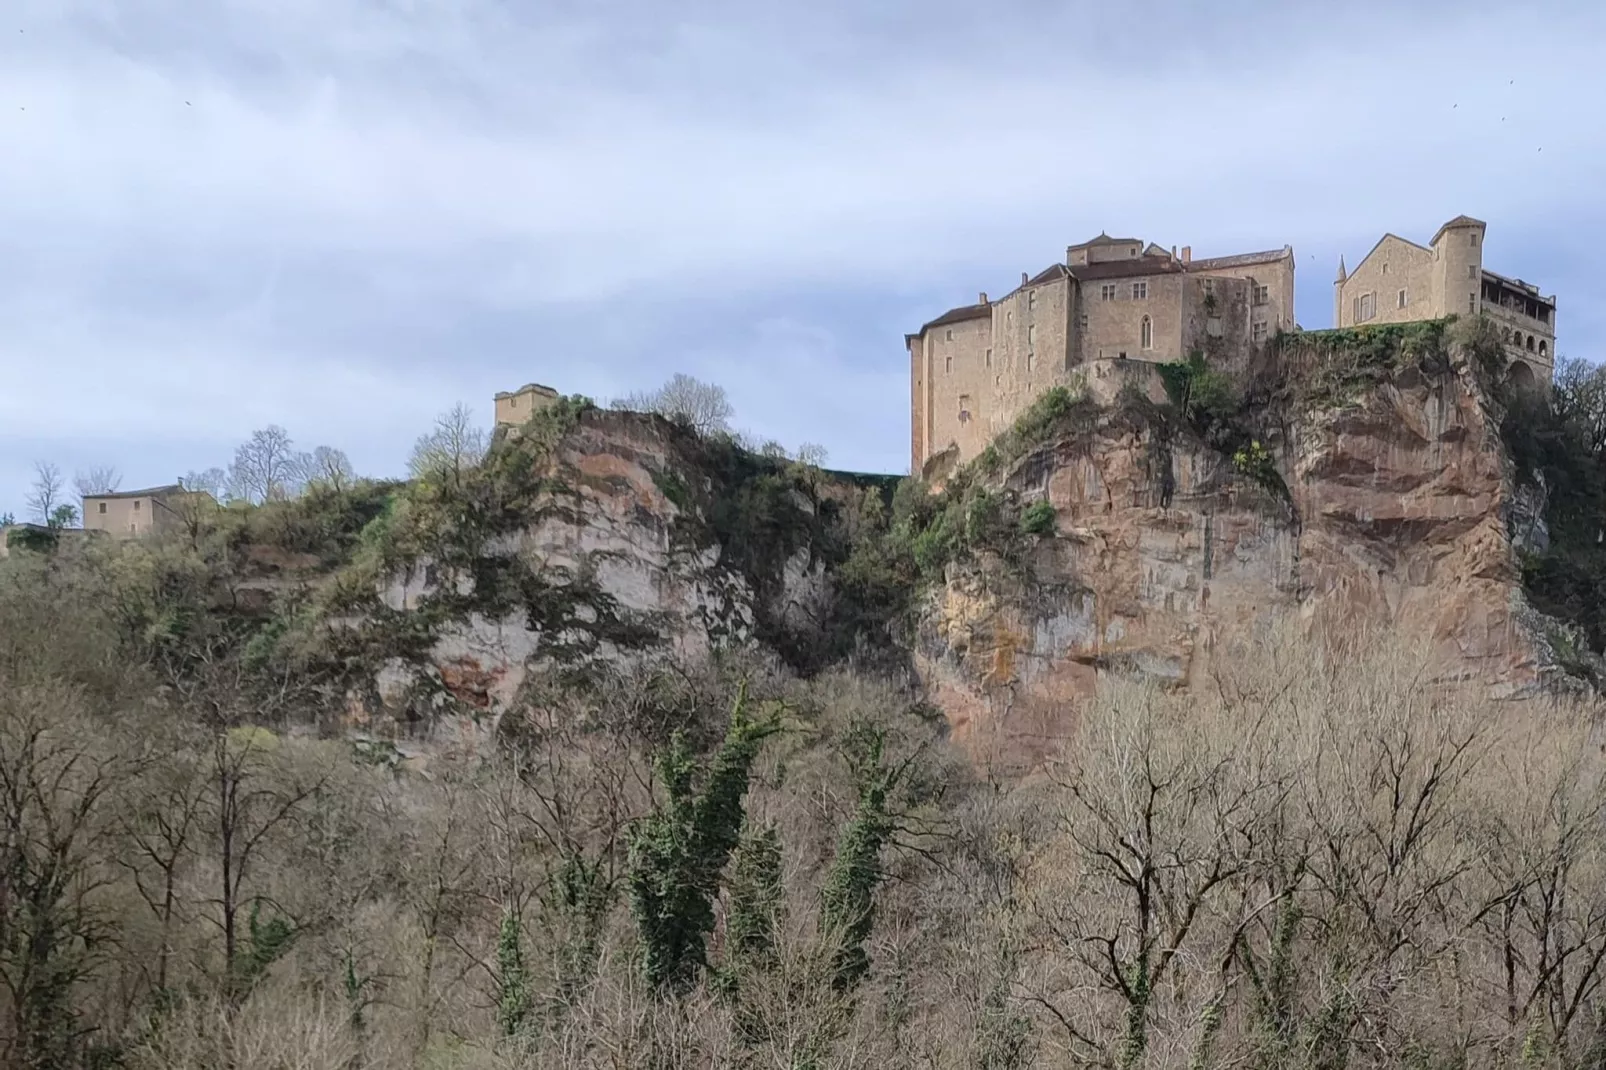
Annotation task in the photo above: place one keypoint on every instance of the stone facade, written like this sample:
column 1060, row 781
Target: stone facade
column 976, row 368
column 514, row 407
column 1400, row 281
column 130, row 513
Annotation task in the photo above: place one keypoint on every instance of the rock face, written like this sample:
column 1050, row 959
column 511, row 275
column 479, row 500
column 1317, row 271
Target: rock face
column 1395, row 515
column 614, row 523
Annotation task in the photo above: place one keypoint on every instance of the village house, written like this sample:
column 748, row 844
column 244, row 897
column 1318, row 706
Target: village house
column 131, row 513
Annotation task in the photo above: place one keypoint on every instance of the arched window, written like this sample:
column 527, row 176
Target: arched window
column 1148, row 333
column 1541, row 349
column 1530, row 343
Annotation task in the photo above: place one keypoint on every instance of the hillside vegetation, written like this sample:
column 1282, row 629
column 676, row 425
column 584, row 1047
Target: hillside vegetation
column 773, row 856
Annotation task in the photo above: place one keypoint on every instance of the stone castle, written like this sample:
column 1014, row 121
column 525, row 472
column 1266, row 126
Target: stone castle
column 974, row 369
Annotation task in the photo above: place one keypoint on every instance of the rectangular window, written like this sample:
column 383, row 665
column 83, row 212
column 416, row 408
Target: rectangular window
column 1355, row 310
column 1403, row 301
column 1472, row 271
column 989, row 358
column 136, row 505
column 948, row 364
column 1366, row 307
column 1107, row 292
column 1472, row 303
column 1140, row 290
column 102, row 508
column 964, row 408
column 1031, row 334
column 1031, row 298
column 1472, row 239
column 1259, row 331
column 949, row 335
column 1209, row 287
column 1031, row 360
column 1262, row 294
column 1385, row 267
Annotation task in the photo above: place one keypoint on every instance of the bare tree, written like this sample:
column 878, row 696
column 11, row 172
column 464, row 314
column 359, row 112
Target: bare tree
column 45, row 495
column 264, row 468
column 1579, row 398
column 455, row 444
column 101, row 479
column 812, row 454
column 702, row 405
column 327, row 467
column 213, row 481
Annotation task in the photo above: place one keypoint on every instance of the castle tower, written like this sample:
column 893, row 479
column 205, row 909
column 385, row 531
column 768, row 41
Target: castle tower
column 1338, row 293
column 1458, row 266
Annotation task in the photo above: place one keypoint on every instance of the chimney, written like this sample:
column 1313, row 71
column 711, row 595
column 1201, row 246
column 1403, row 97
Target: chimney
column 1173, row 252
column 982, row 300
column 1187, row 254
column 1023, row 277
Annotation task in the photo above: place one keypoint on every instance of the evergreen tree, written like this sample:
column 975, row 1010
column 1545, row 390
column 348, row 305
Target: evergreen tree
column 679, row 850
column 849, row 892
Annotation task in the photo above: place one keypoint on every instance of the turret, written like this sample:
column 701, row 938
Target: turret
column 1338, row 293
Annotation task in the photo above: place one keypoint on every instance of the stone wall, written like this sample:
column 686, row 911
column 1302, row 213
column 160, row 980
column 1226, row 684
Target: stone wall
column 1394, row 265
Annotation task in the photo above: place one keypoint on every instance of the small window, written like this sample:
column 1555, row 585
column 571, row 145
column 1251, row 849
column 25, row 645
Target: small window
column 1542, row 349
column 1031, row 360
column 136, row 505
column 1258, row 330
column 1472, row 303
column 964, row 408
column 1472, row 271
column 1107, row 292
column 1385, row 267
column 1530, row 343
column 1121, row 355
column 1472, row 239
column 1210, row 287
column 948, row 336
column 1082, row 320
column 1031, row 334
column 102, row 509
column 1366, row 307
column 1140, row 290
column 1402, row 298
column 1146, row 333
column 989, row 358
column 948, row 364
column 1262, row 294
column 512, row 403
column 1031, row 298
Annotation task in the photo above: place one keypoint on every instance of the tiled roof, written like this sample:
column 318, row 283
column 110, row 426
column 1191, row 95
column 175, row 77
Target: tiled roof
column 1105, row 239
column 1125, row 269
column 1270, row 256
column 527, row 388
column 1458, row 221
column 1049, row 274
column 959, row 315
column 148, row 492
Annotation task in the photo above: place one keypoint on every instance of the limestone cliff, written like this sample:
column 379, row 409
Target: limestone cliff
column 624, row 537
column 1387, row 502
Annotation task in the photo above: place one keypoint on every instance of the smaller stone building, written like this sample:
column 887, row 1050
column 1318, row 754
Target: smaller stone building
column 515, row 407
column 130, row 513
column 1400, row 281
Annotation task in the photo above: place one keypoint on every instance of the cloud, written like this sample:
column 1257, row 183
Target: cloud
column 342, row 215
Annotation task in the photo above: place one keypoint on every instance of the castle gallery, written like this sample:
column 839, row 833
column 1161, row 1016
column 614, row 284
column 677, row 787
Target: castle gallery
column 974, row 369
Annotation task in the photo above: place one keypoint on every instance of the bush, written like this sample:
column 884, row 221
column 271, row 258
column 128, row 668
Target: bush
column 1038, row 519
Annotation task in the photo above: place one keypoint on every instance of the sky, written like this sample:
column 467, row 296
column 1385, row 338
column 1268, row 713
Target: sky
column 343, row 216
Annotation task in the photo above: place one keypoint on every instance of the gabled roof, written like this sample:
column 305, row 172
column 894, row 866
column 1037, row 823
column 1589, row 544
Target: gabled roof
column 1270, row 256
column 1387, row 234
column 148, row 492
column 1105, row 239
column 958, row 315
column 1049, row 274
